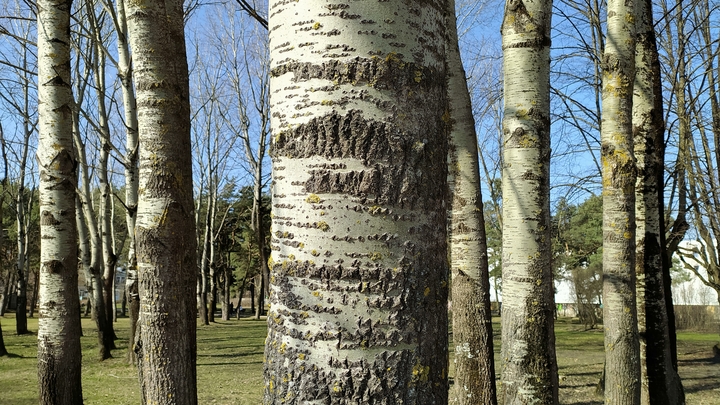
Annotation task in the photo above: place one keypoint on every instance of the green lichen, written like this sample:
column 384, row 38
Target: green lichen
column 313, row 199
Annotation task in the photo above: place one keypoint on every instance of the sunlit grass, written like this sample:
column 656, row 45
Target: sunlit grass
column 230, row 356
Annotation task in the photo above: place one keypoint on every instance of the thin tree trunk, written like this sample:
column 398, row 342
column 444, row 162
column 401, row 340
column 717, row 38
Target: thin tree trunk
column 165, row 228
column 474, row 382
column 3, row 350
column 260, row 294
column 622, row 351
column 227, row 277
column 131, row 168
column 59, row 353
column 33, row 300
column 91, row 251
column 9, row 282
column 530, row 373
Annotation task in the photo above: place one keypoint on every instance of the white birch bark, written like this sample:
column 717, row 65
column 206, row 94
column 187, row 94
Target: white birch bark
column 130, row 162
column 474, row 381
column 660, row 383
column 528, row 339
column 90, row 241
column 358, row 269
column 59, row 325
column 622, row 351
column 165, row 230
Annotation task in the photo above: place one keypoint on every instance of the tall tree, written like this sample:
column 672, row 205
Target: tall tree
column 3, row 184
column 622, row 356
column 91, row 253
column 528, row 339
column 359, row 267
column 472, row 320
column 660, row 383
column 165, row 230
column 59, row 326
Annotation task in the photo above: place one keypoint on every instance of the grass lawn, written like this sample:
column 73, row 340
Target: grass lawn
column 230, row 356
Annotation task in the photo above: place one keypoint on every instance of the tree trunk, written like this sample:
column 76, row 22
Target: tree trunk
column 260, row 294
column 622, row 351
column 131, row 168
column 530, row 372
column 358, row 302
column 21, row 278
column 252, row 297
column 9, row 282
column 205, row 260
column 474, row 382
column 212, row 303
column 227, row 282
column 165, row 228
column 59, row 328
column 660, row 383
column 91, row 251
column 3, row 350
column 33, row 300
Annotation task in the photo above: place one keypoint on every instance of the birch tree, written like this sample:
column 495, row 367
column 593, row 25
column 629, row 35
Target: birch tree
column 474, row 381
column 358, row 268
column 59, row 325
column 528, row 339
column 17, row 92
column 165, row 230
column 130, row 159
column 622, row 357
column 660, row 383
column 3, row 184
column 91, row 254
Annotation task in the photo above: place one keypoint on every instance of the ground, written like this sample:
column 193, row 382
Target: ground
column 230, row 358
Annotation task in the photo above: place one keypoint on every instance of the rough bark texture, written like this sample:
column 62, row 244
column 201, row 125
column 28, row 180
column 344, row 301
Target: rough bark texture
column 165, row 228
column 528, row 339
column 622, row 351
column 59, row 325
column 358, row 268
column 660, row 383
column 474, row 382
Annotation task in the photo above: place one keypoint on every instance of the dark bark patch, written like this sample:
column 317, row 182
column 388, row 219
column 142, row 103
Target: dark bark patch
column 391, row 72
column 53, row 266
column 48, row 219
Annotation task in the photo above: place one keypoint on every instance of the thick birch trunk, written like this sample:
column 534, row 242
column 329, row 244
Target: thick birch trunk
column 59, row 330
column 472, row 320
column 358, row 269
column 660, row 383
column 165, row 228
column 622, row 351
column 528, row 350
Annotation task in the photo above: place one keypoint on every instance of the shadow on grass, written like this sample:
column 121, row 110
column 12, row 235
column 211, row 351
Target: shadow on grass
column 15, row 356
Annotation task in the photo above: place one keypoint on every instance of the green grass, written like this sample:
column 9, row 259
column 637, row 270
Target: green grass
column 230, row 356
